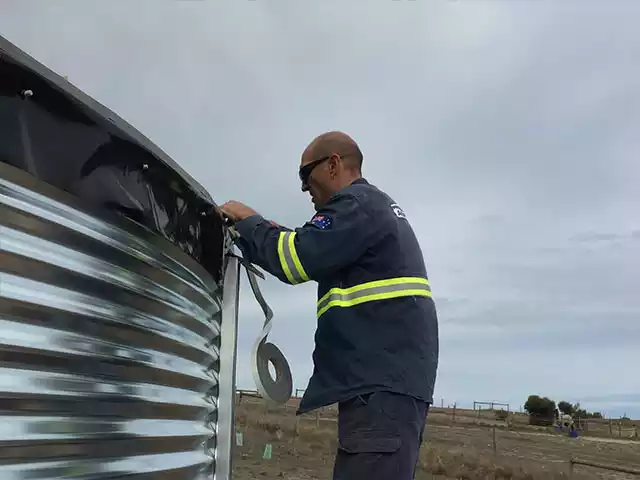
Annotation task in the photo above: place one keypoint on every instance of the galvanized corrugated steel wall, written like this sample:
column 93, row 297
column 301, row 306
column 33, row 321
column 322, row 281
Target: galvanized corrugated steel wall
column 109, row 346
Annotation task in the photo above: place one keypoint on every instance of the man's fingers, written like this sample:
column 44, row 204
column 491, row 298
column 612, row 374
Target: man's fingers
column 221, row 211
column 225, row 213
column 228, row 210
column 236, row 211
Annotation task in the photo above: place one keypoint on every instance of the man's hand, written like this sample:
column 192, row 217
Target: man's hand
column 236, row 211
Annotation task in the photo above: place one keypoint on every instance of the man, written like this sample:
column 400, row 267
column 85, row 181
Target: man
column 376, row 343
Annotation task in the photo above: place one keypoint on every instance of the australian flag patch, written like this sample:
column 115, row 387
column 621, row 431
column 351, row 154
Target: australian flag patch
column 322, row 221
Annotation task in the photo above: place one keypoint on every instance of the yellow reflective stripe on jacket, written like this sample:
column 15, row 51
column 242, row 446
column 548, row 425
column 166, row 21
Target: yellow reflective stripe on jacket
column 289, row 260
column 376, row 290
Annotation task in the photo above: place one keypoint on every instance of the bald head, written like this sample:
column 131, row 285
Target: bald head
column 332, row 161
column 334, row 142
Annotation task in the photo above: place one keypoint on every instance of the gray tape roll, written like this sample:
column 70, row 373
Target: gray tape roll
column 278, row 390
column 275, row 390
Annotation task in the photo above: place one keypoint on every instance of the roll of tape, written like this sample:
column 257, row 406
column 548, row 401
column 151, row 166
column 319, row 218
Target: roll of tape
column 275, row 390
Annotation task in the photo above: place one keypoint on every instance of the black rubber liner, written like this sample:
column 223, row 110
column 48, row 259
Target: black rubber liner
column 57, row 133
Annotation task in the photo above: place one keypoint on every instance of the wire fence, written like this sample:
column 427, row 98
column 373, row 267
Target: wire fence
column 490, row 413
column 601, row 466
column 467, row 434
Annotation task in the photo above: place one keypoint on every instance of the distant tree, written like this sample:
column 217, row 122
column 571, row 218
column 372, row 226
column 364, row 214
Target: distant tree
column 540, row 409
column 579, row 412
column 532, row 404
column 536, row 404
column 566, row 407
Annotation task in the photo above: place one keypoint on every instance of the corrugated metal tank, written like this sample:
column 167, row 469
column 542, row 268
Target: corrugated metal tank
column 118, row 301
column 110, row 345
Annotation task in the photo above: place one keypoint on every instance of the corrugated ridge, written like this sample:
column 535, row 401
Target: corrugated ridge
column 26, row 245
column 115, row 236
column 24, row 338
column 24, row 221
column 165, row 466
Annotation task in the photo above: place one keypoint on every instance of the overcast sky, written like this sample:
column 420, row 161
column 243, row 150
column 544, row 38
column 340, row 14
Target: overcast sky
column 507, row 130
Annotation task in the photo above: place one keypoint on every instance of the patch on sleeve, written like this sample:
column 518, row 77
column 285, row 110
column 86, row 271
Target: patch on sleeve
column 398, row 212
column 323, row 222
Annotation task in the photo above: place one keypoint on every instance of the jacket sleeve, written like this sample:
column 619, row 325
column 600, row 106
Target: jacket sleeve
column 339, row 234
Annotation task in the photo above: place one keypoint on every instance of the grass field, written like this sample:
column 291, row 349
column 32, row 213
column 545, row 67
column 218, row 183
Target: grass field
column 303, row 448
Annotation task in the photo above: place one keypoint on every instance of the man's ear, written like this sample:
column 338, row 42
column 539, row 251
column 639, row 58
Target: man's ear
column 333, row 163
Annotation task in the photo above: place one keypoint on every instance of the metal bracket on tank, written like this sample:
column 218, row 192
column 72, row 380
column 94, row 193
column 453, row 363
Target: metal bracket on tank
column 225, row 420
column 276, row 391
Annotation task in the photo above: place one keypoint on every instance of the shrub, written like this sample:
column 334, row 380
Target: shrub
column 540, row 409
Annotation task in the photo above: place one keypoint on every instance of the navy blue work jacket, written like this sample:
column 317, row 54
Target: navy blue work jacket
column 377, row 324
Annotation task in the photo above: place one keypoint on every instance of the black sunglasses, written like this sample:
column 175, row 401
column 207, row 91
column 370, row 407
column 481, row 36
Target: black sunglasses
column 306, row 170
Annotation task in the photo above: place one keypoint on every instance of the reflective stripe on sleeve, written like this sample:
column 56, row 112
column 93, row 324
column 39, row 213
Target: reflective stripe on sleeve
column 371, row 291
column 289, row 260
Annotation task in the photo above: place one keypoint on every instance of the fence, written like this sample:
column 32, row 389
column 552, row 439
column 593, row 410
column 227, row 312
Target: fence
column 602, row 466
column 244, row 396
column 503, row 415
column 619, row 427
column 600, row 427
column 490, row 405
column 457, row 441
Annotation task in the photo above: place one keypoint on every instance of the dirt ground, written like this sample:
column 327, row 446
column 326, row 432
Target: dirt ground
column 304, row 448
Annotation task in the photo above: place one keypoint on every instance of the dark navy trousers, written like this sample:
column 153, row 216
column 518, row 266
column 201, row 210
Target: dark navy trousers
column 379, row 437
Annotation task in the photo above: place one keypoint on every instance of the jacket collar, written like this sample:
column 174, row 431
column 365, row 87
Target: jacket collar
column 360, row 181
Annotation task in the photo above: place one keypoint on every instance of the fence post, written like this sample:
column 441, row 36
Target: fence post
column 571, row 467
column 611, row 427
column 620, row 427
column 495, row 445
column 317, row 418
column 454, row 413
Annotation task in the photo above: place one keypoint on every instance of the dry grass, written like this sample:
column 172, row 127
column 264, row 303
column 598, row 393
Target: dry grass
column 304, row 449
column 474, row 466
